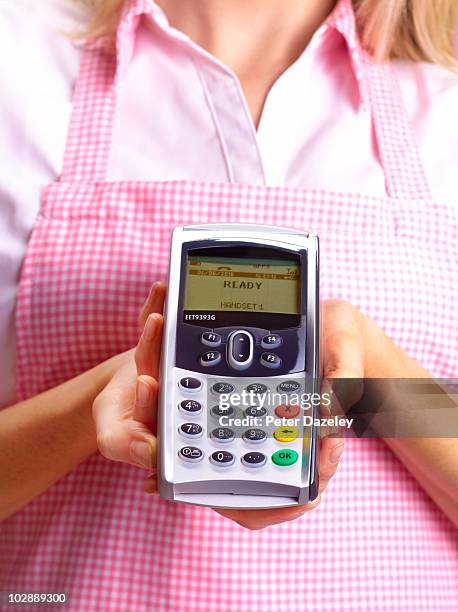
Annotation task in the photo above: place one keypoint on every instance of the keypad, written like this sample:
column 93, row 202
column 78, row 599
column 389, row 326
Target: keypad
column 191, row 430
column 190, row 407
column 270, row 360
column 254, row 459
column 191, row 454
column 222, row 458
column 244, row 446
column 211, row 339
column 222, row 434
column 190, row 384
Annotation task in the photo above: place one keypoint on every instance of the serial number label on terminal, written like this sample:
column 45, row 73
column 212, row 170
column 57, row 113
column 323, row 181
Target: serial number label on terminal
column 199, row 317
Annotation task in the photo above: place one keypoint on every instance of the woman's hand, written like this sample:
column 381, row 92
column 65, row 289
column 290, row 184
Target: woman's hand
column 343, row 337
column 344, row 343
column 125, row 411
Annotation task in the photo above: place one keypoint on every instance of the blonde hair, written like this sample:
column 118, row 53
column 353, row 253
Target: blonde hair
column 420, row 30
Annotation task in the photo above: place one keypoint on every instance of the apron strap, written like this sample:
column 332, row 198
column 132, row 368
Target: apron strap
column 92, row 121
column 94, row 107
column 89, row 137
column 398, row 151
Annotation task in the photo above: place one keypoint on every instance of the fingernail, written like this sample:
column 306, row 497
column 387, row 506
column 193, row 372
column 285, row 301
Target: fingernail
column 150, row 327
column 140, row 453
column 152, row 291
column 142, row 393
column 336, row 453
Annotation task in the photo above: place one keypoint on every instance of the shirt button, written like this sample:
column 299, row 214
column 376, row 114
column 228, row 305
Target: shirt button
column 285, row 457
column 254, row 459
column 287, row 411
column 286, row 434
column 190, row 384
column 191, row 454
column 222, row 458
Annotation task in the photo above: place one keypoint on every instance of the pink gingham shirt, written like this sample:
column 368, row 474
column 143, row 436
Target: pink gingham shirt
column 184, row 115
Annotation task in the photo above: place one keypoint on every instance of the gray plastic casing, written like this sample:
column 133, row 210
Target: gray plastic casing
column 250, row 489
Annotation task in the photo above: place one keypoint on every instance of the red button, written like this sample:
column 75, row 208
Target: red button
column 287, row 411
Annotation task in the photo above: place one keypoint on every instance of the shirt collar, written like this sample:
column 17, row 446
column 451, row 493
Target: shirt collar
column 342, row 19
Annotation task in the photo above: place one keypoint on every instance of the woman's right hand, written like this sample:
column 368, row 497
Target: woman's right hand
column 125, row 411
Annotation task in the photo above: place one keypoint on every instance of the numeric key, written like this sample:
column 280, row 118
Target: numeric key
column 190, row 407
column 222, row 434
column 190, row 384
column 191, row 430
column 222, row 458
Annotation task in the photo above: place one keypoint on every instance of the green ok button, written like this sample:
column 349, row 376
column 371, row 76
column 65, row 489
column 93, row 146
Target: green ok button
column 285, row 457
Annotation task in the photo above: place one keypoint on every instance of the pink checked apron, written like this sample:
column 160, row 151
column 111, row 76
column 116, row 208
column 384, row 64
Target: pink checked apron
column 377, row 542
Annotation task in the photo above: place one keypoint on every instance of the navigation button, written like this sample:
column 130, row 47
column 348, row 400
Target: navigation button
column 240, row 350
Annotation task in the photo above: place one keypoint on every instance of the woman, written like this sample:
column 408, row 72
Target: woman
column 227, row 97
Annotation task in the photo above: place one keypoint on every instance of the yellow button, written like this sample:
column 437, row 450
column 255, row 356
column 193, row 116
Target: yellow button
column 286, row 434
